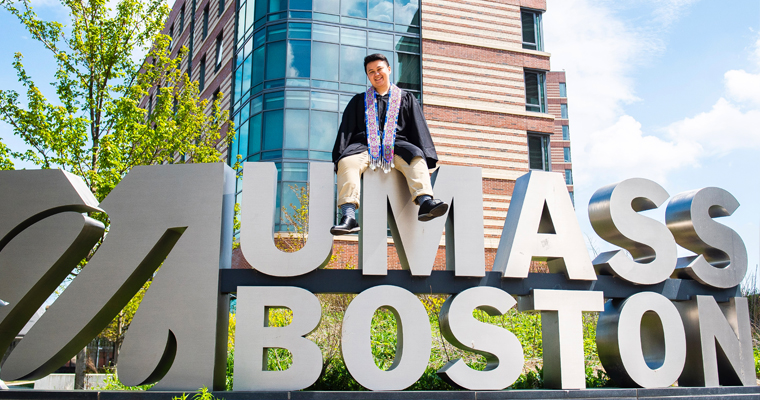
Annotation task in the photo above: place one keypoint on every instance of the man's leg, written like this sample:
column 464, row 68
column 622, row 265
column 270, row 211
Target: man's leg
column 418, row 181
column 350, row 170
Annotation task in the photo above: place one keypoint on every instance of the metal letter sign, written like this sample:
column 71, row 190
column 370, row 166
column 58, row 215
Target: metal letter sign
column 614, row 214
column 665, row 319
column 163, row 214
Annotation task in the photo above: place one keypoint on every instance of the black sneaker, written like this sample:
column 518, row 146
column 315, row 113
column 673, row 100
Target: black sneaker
column 347, row 225
column 432, row 208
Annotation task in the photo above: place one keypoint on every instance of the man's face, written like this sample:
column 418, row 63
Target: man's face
column 378, row 73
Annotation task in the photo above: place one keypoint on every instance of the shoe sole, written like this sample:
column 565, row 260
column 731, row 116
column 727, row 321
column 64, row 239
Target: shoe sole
column 434, row 213
column 338, row 232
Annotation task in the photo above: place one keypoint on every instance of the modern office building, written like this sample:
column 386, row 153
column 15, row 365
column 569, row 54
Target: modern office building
column 478, row 67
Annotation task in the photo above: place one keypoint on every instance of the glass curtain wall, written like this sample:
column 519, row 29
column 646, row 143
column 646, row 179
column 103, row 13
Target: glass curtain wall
column 298, row 63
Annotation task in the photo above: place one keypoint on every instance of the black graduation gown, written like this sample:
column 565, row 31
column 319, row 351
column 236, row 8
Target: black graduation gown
column 412, row 133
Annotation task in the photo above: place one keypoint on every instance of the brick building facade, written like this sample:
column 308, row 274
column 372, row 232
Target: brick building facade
column 478, row 67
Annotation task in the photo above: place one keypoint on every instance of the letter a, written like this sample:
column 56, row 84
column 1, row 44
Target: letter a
column 541, row 225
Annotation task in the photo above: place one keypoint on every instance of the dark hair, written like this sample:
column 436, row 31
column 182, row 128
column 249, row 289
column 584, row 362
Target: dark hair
column 375, row 57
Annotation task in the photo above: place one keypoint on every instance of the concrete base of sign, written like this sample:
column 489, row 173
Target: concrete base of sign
column 66, row 382
column 711, row 393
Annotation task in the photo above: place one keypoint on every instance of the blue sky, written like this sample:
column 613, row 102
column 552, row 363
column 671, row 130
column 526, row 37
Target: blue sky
column 667, row 90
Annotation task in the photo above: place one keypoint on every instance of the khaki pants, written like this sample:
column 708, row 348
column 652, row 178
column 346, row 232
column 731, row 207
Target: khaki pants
column 351, row 168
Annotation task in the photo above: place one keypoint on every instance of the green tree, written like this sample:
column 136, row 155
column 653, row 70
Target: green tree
column 5, row 157
column 95, row 127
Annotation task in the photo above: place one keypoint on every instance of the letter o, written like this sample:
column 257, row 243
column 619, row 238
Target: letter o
column 413, row 345
column 656, row 361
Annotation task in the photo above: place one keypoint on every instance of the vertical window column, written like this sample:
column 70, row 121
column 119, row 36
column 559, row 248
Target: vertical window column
column 531, row 30
column 535, row 91
column 202, row 75
column 182, row 19
column 538, row 152
column 219, row 50
column 205, row 23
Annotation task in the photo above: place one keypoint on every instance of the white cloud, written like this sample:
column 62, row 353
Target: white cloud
column 721, row 130
column 668, row 11
column 731, row 123
column 743, row 87
column 623, row 151
column 598, row 53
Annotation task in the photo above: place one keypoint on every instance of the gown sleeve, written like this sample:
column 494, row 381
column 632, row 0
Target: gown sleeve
column 351, row 132
column 419, row 129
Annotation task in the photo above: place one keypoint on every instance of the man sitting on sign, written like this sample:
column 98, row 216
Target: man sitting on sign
column 383, row 128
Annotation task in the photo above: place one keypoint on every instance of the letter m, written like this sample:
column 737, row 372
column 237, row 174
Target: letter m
column 386, row 201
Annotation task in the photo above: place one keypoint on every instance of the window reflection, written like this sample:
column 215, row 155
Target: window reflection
column 300, row 4
column 259, row 38
column 272, row 130
column 299, row 31
column 381, row 10
column 354, row 37
column 326, row 6
column 323, row 128
column 238, row 82
column 254, row 133
column 296, row 99
column 407, row 12
column 276, row 32
column 324, row 101
column 299, row 59
column 275, row 59
column 256, row 105
column 296, row 129
column 352, row 64
column 325, row 58
column 294, row 171
column 243, row 140
column 408, row 44
column 325, row 33
column 380, row 41
column 408, row 71
column 277, row 5
column 273, row 100
column 247, row 74
column 354, row 8
column 258, row 66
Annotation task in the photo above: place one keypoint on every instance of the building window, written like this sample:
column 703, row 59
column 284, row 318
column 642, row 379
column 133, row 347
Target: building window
column 221, row 7
column 531, row 30
column 150, row 104
column 567, row 154
column 218, row 51
column 563, row 110
column 205, row 22
column 182, row 19
column 565, row 132
column 568, row 177
column 535, row 91
column 562, row 89
column 538, row 152
column 202, row 75
column 171, row 36
column 572, row 197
